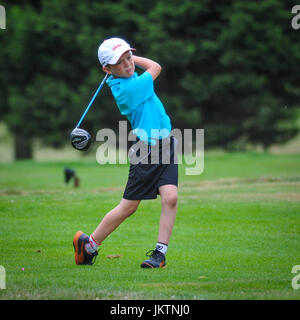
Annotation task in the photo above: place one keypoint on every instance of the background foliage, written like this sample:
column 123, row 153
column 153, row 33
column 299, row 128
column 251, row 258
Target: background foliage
column 228, row 67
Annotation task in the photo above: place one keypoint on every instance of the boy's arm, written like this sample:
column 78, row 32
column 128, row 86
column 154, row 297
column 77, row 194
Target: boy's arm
column 148, row 65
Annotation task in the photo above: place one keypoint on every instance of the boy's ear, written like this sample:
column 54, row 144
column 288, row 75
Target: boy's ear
column 106, row 70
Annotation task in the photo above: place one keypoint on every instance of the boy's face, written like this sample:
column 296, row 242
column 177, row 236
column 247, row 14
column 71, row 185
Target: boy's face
column 124, row 68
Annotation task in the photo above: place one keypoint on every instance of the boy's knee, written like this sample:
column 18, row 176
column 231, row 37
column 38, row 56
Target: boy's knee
column 131, row 207
column 170, row 199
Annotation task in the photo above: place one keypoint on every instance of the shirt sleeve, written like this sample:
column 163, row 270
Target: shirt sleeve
column 138, row 90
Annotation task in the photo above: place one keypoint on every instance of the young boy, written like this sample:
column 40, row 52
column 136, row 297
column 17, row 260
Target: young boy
column 136, row 99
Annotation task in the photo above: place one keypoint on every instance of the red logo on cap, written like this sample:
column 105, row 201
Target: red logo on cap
column 116, row 46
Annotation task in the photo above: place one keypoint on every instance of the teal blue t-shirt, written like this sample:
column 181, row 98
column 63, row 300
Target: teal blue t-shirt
column 136, row 99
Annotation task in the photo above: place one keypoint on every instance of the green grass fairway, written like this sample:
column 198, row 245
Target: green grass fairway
column 236, row 236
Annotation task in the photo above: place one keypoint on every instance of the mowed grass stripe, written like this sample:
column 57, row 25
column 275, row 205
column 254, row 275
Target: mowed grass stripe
column 234, row 237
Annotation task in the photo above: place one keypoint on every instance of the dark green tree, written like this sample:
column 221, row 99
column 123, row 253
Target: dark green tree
column 228, row 67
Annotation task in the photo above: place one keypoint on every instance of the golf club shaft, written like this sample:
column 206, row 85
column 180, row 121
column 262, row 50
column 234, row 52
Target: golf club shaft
column 88, row 107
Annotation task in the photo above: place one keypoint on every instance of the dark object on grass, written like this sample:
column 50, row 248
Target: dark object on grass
column 70, row 174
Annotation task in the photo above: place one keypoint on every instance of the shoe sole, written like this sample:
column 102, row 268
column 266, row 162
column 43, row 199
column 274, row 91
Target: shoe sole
column 149, row 266
column 78, row 247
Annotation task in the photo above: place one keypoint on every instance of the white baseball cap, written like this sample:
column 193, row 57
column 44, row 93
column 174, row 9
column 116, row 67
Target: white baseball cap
column 110, row 50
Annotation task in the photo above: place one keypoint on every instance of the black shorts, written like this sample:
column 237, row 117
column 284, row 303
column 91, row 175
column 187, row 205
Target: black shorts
column 157, row 168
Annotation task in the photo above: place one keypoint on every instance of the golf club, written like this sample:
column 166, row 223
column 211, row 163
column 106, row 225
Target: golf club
column 80, row 138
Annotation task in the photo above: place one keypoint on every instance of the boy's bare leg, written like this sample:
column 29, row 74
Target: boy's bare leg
column 168, row 194
column 114, row 218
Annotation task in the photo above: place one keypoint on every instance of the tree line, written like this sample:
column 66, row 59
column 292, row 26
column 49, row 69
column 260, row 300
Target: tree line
column 230, row 67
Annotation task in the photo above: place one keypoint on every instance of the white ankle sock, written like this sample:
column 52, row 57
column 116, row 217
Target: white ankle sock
column 161, row 247
column 92, row 246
